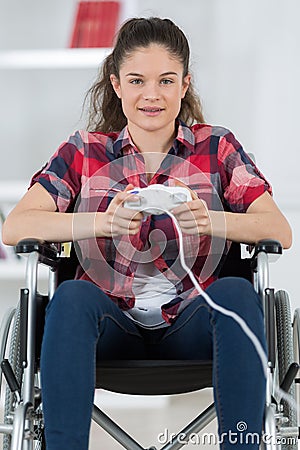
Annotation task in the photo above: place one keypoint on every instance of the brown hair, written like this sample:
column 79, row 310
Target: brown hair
column 105, row 112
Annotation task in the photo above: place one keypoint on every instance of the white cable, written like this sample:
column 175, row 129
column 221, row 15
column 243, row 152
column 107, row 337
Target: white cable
column 240, row 321
column 221, row 309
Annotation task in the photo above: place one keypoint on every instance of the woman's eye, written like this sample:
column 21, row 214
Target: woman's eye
column 166, row 81
column 136, row 81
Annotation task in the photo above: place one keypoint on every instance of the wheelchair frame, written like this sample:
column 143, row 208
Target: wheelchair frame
column 21, row 425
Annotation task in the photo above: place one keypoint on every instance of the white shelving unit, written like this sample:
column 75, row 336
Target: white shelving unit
column 70, row 58
column 48, row 59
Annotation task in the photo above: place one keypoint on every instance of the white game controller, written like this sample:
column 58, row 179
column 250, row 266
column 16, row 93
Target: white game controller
column 158, row 198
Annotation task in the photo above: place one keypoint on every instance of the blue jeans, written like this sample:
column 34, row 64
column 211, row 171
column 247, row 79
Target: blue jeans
column 82, row 323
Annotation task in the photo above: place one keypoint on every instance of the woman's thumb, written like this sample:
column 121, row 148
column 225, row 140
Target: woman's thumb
column 122, row 196
column 129, row 187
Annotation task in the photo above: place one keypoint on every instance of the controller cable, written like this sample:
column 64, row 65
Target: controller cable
column 239, row 320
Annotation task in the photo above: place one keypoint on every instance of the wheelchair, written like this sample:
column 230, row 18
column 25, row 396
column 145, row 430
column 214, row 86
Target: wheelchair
column 20, row 344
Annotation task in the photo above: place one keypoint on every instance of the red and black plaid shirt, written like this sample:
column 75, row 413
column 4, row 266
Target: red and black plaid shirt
column 89, row 169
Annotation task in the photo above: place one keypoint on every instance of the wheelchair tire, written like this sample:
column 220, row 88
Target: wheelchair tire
column 10, row 402
column 285, row 357
column 296, row 335
column 4, row 332
column 13, row 357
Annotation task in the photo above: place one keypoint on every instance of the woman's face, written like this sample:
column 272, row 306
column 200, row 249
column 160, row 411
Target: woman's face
column 151, row 87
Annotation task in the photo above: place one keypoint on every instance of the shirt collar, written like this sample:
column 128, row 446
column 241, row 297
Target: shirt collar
column 122, row 141
column 184, row 136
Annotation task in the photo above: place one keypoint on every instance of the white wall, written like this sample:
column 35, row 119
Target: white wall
column 246, row 64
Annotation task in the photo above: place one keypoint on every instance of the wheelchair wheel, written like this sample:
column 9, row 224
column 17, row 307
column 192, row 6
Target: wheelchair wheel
column 4, row 332
column 296, row 336
column 285, row 357
column 10, row 400
column 13, row 357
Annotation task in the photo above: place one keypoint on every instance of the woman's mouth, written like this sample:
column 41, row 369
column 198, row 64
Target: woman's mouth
column 151, row 111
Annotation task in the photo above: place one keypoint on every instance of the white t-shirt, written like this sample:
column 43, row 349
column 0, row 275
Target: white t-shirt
column 151, row 290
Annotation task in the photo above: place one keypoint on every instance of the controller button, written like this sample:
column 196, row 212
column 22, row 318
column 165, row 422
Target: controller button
column 179, row 198
column 134, row 203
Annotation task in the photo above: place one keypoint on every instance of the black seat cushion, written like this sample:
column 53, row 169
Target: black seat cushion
column 153, row 377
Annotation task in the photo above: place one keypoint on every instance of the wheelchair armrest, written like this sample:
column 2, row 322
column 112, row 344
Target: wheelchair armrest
column 268, row 246
column 48, row 252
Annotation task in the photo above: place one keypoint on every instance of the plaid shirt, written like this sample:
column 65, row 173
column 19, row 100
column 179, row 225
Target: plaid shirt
column 89, row 169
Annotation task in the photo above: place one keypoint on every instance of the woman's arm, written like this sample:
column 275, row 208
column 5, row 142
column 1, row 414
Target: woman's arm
column 262, row 220
column 35, row 216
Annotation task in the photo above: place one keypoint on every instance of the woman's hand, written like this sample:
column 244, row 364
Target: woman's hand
column 117, row 220
column 193, row 217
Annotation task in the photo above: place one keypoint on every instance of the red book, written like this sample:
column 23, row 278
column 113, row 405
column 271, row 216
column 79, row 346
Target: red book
column 78, row 24
column 95, row 24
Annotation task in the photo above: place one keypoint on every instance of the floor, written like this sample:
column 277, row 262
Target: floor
column 151, row 420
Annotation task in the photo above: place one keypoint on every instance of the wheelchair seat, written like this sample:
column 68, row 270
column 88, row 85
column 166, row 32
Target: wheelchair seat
column 153, row 377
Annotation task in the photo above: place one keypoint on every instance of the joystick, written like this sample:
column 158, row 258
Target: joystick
column 158, row 198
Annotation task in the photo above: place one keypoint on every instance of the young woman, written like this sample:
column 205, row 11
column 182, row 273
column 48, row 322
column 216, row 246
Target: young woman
column 131, row 297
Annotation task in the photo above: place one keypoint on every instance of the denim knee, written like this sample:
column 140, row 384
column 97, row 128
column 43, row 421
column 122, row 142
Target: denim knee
column 75, row 296
column 76, row 304
column 236, row 294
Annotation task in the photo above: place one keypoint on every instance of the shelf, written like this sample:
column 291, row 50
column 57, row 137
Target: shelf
column 69, row 58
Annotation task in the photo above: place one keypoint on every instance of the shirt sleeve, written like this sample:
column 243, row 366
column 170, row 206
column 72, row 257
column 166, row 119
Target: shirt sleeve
column 242, row 181
column 61, row 176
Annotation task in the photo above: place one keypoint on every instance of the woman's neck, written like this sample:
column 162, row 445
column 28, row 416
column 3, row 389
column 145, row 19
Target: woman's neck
column 159, row 141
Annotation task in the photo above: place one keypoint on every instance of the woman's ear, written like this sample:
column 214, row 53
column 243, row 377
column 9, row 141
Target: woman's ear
column 115, row 84
column 185, row 84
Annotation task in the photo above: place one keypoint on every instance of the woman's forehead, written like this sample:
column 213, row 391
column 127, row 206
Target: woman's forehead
column 154, row 57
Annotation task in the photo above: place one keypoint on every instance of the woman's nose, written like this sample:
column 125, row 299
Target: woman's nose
column 151, row 92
